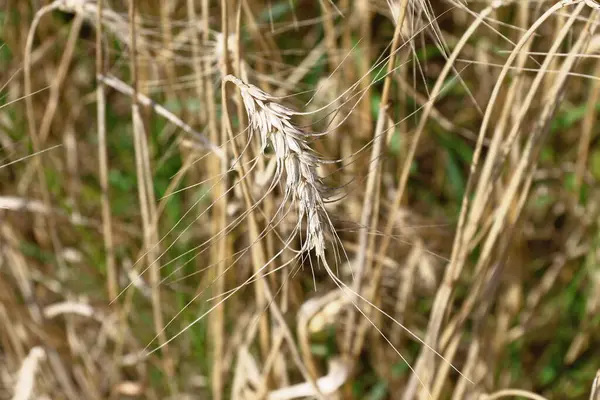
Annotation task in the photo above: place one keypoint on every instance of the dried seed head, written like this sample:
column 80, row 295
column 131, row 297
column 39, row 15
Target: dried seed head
column 272, row 122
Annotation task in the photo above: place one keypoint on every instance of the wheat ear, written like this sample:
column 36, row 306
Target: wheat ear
column 272, row 122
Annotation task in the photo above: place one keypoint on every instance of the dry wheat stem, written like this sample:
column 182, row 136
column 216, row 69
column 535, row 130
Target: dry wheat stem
column 459, row 255
column 587, row 129
column 452, row 272
column 495, row 230
column 147, row 199
column 428, row 107
column 107, row 234
column 37, row 140
column 595, row 390
column 369, row 202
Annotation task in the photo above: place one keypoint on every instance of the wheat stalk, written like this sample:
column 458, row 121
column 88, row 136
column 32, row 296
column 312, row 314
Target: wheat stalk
column 303, row 187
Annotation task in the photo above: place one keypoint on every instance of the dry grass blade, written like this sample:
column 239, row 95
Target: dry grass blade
column 147, row 199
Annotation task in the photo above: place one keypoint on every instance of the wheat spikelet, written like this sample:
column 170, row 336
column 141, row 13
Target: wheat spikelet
column 303, row 187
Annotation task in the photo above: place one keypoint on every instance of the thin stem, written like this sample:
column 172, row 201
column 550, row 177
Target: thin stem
column 374, row 165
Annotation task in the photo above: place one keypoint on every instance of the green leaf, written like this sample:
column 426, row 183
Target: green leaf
column 119, row 180
column 455, row 176
column 378, row 392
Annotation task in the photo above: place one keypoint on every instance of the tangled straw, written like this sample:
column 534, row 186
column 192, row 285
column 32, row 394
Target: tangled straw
column 303, row 186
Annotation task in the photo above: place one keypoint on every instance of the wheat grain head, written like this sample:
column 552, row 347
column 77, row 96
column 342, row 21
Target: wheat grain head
column 272, row 122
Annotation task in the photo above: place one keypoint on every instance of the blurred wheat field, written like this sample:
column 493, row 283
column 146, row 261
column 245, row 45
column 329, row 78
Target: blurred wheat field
column 287, row 199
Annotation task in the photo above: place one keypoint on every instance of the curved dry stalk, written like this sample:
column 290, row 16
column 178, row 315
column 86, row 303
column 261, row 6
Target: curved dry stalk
column 337, row 375
column 494, row 228
column 488, row 166
column 26, row 379
column 428, row 109
column 38, row 136
column 313, row 316
column 512, row 393
column 467, row 225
